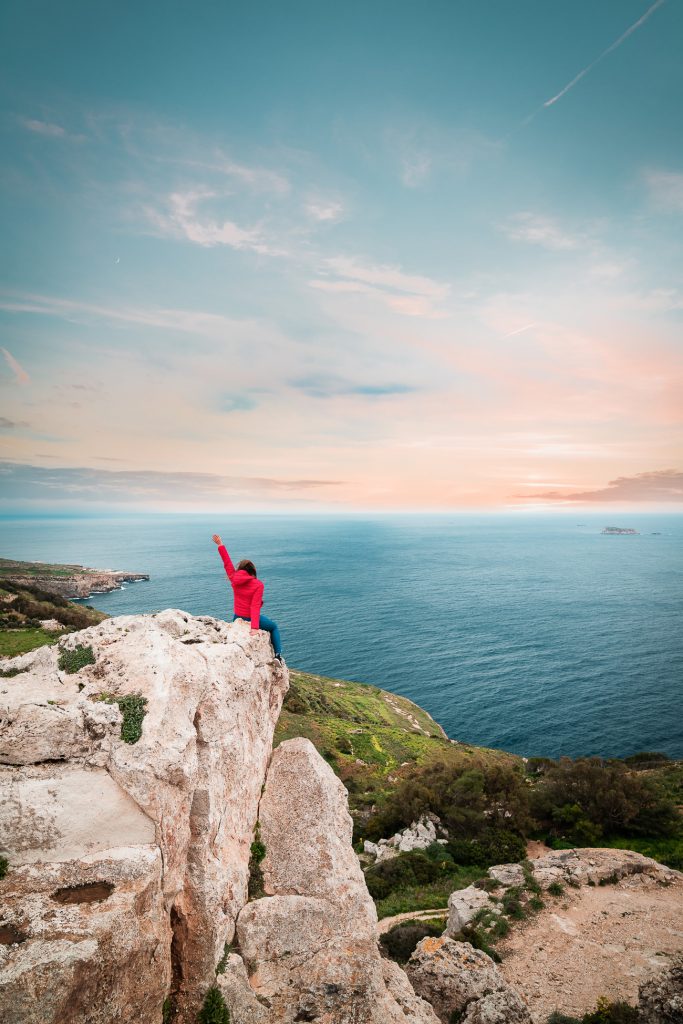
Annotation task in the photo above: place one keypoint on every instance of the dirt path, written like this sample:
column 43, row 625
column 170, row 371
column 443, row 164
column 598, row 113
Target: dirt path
column 387, row 923
column 592, row 942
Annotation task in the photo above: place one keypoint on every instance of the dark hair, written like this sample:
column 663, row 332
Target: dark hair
column 247, row 566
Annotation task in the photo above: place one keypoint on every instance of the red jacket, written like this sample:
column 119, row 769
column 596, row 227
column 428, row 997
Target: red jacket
column 247, row 589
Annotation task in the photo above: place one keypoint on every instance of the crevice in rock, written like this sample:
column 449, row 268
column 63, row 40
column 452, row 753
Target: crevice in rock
column 178, row 940
column 10, row 935
column 89, row 892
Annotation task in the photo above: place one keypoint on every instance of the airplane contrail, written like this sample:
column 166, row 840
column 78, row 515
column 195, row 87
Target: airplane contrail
column 519, row 330
column 610, row 49
column 589, row 67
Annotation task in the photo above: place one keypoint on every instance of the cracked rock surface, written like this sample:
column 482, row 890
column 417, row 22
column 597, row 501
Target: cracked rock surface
column 129, row 862
column 310, row 945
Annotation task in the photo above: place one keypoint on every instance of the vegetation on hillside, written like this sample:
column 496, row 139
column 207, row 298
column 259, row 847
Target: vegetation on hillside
column 372, row 739
column 23, row 608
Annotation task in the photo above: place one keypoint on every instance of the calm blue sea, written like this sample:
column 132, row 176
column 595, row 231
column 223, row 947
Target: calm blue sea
column 531, row 633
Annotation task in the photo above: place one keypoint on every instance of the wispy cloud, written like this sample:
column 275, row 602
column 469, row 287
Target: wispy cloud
column 387, row 277
column 20, row 374
column 666, row 189
column 330, row 385
column 23, row 481
column 408, row 294
column 324, row 210
column 537, row 229
column 415, row 168
column 188, row 321
column 658, row 485
column 6, row 424
column 49, row 130
column 182, row 219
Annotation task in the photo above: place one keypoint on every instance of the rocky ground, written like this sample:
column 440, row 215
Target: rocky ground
column 602, row 940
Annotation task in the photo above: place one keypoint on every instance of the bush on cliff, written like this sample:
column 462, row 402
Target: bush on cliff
column 420, row 880
column 585, row 799
column 495, row 846
column 400, row 941
column 214, row 1010
column 468, row 801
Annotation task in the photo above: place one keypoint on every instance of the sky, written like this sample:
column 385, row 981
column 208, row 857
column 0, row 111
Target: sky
column 322, row 257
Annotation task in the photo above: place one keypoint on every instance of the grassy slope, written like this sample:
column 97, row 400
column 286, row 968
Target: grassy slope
column 370, row 737
column 25, row 638
column 9, row 567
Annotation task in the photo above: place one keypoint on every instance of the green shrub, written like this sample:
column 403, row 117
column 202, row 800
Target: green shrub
column 536, row 904
column 584, row 799
column 561, row 1018
column 611, row 1013
column 646, row 759
column 4, row 867
column 214, row 1010
column 406, row 870
column 530, row 883
column 512, row 905
column 9, row 673
column 257, row 853
column 468, row 801
column 556, row 888
column 167, row 1011
column 400, row 941
column 71, row 661
column 495, row 846
column 133, row 707
column 223, row 962
column 477, row 938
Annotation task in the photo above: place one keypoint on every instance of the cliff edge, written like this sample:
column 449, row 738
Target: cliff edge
column 154, row 856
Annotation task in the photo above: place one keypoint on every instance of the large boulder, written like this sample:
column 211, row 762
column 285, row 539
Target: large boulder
column 464, row 905
column 129, row 860
column 660, row 1000
column 458, row 979
column 310, row 944
column 588, row 866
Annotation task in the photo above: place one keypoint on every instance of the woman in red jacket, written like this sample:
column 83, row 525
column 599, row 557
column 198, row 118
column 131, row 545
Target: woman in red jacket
column 248, row 591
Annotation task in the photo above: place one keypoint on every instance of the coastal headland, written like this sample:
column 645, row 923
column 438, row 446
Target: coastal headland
column 70, row 581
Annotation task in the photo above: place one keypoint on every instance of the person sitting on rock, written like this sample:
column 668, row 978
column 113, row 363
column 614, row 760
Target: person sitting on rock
column 248, row 591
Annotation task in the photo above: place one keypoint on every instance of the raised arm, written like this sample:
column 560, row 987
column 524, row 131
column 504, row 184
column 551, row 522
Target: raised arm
column 229, row 567
column 256, row 602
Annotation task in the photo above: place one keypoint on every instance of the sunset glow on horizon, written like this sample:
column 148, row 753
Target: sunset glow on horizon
column 294, row 258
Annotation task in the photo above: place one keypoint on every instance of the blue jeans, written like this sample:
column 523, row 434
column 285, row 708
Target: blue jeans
column 270, row 626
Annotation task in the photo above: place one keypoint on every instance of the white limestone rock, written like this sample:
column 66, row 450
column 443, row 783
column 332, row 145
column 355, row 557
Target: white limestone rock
column 168, row 820
column 417, row 836
column 310, row 944
column 507, row 874
column 464, row 905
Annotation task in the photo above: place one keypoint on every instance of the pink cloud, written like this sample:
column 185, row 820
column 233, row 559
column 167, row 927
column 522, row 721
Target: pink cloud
column 657, row 486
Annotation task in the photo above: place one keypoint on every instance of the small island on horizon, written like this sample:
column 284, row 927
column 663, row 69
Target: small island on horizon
column 620, row 529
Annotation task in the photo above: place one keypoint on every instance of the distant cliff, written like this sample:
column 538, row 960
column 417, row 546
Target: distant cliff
column 70, row 581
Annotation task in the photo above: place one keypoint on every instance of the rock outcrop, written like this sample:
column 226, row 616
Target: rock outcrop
column 464, row 905
column 417, row 836
column 128, row 862
column 460, row 980
column 660, row 1000
column 310, row 945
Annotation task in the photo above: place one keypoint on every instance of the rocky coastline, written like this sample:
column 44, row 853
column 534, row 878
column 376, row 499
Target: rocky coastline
column 69, row 581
